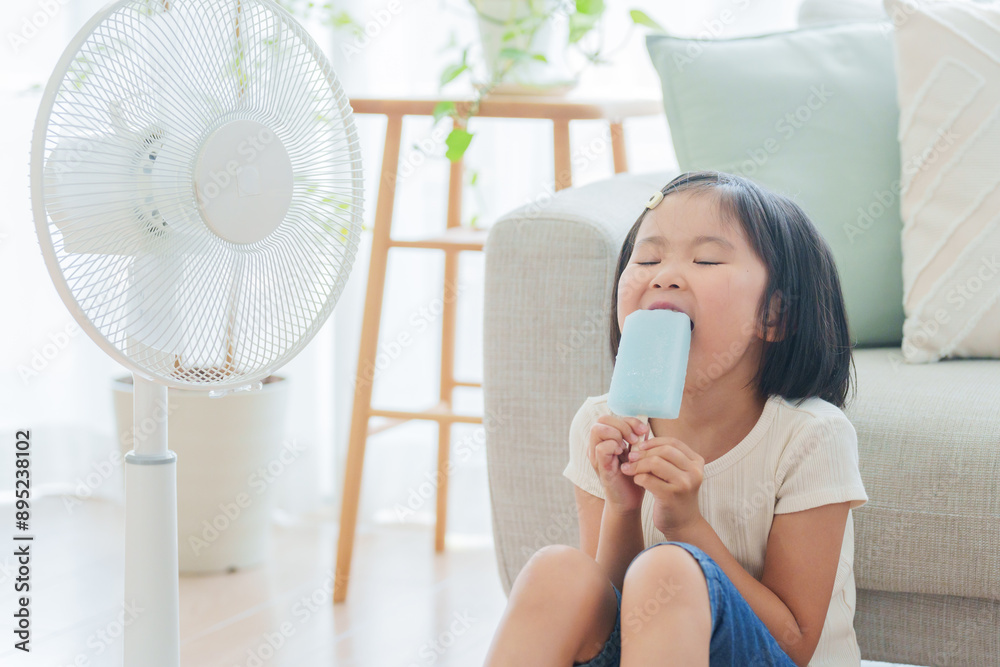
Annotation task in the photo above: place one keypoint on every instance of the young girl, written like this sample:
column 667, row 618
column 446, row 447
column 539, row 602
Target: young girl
column 722, row 537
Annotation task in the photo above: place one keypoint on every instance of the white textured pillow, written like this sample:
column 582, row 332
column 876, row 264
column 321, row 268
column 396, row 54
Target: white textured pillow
column 948, row 70
column 814, row 12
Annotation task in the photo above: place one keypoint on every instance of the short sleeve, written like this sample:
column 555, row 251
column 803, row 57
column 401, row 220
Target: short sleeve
column 578, row 470
column 819, row 466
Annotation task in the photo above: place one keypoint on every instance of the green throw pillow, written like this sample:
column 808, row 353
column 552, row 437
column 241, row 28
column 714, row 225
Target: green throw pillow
column 812, row 114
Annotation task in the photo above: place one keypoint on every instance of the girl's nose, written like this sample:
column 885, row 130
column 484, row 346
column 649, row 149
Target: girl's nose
column 667, row 274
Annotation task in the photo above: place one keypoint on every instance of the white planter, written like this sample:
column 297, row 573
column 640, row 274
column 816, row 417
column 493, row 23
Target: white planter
column 222, row 445
column 529, row 77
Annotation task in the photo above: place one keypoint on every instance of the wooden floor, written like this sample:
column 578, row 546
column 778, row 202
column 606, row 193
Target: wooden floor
column 406, row 607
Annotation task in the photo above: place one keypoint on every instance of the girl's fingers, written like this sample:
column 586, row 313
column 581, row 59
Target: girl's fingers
column 630, row 428
column 606, row 432
column 682, row 446
column 607, row 450
column 656, row 467
column 668, row 453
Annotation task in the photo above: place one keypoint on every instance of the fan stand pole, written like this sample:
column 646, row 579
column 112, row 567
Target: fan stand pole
column 152, row 639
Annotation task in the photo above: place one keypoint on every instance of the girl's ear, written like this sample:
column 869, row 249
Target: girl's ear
column 775, row 318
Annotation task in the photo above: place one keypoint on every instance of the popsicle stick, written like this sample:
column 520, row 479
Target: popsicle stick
column 645, row 436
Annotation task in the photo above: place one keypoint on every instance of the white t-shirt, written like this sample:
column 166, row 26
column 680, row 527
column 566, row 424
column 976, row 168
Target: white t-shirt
column 799, row 455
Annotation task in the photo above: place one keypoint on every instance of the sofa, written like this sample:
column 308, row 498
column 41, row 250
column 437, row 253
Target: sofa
column 927, row 543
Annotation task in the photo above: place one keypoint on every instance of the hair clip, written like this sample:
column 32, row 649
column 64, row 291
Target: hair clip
column 655, row 199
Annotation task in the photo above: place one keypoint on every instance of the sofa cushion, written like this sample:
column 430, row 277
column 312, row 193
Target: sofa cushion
column 812, row 114
column 929, row 454
column 949, row 132
column 815, row 12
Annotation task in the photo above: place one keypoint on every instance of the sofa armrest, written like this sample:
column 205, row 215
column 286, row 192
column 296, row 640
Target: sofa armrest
column 549, row 270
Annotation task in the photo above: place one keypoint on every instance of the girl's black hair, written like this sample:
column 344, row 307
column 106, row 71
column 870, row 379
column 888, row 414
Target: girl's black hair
column 813, row 354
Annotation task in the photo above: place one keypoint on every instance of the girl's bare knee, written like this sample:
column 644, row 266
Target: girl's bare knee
column 553, row 568
column 564, row 583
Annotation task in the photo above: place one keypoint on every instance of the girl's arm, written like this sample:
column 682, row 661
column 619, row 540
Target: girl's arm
column 620, row 541
column 800, row 568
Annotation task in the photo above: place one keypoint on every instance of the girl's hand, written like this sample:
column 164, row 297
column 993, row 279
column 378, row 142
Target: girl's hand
column 610, row 440
column 670, row 470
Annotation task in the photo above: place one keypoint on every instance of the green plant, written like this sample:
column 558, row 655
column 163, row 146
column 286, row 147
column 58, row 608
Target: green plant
column 583, row 17
column 640, row 18
column 326, row 13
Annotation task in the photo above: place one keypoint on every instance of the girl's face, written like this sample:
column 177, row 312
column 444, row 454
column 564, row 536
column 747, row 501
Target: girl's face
column 717, row 283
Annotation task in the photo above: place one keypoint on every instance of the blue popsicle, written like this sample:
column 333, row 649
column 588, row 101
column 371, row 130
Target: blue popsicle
column 648, row 379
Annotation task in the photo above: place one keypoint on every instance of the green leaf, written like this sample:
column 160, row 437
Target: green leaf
column 580, row 25
column 451, row 72
column 592, row 7
column 640, row 17
column 539, row 56
column 513, row 54
column 342, row 20
column 457, row 141
column 442, row 109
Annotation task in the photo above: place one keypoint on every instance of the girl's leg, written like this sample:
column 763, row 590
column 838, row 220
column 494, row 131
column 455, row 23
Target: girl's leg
column 666, row 614
column 561, row 610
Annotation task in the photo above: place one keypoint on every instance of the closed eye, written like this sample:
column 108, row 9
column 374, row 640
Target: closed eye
column 649, row 263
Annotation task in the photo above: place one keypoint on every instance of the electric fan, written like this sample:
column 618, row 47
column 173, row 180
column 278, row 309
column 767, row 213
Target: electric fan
column 197, row 191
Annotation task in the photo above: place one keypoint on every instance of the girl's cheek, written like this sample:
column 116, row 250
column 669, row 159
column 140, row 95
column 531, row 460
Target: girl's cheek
column 630, row 281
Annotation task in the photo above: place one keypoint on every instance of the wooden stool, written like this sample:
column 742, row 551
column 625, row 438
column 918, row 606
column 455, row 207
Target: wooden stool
column 453, row 240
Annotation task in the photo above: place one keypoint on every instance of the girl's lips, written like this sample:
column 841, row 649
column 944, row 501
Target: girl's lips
column 666, row 305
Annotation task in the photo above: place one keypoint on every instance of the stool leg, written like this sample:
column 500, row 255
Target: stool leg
column 364, row 378
column 618, row 147
column 455, row 184
column 447, row 389
column 561, row 154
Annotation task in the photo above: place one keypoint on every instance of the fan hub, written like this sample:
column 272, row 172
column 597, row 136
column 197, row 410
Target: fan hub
column 243, row 181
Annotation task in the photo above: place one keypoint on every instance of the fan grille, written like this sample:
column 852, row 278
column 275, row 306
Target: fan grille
column 132, row 105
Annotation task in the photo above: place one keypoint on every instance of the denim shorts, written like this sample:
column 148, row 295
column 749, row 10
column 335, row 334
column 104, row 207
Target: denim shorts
column 739, row 638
